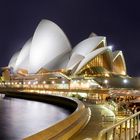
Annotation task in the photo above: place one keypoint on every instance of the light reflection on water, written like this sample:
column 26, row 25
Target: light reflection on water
column 20, row 118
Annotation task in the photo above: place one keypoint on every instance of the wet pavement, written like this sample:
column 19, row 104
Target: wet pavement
column 20, row 118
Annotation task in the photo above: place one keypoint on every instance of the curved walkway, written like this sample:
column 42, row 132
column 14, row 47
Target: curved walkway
column 95, row 125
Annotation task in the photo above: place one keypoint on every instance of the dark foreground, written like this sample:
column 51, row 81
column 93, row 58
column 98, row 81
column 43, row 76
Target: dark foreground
column 20, row 118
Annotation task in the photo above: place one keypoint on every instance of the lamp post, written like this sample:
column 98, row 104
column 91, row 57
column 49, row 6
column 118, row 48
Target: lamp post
column 29, row 83
column 125, row 81
column 44, row 83
column 53, row 82
column 106, row 83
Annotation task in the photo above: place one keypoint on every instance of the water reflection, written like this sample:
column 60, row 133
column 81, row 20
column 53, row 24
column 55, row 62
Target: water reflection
column 20, row 118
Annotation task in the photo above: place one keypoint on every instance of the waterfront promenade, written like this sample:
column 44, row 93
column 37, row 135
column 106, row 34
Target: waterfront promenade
column 95, row 125
column 97, row 121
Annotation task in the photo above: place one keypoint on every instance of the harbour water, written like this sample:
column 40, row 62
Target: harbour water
column 20, row 118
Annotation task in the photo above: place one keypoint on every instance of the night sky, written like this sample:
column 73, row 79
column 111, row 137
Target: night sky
column 118, row 20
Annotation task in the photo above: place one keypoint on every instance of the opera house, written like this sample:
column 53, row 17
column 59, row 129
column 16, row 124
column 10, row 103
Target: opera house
column 49, row 69
column 49, row 54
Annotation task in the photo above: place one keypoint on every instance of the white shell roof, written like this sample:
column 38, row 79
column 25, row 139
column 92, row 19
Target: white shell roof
column 92, row 34
column 90, row 56
column 74, row 60
column 23, row 57
column 50, row 48
column 58, row 62
column 88, row 45
column 116, row 54
column 13, row 60
column 119, row 53
column 49, row 42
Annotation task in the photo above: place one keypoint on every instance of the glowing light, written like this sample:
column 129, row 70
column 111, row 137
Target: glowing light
column 44, row 82
column 63, row 82
column 125, row 81
column 53, row 82
column 34, row 83
column 89, row 81
column 107, row 75
column 123, row 72
column 29, row 83
column 106, row 81
column 110, row 47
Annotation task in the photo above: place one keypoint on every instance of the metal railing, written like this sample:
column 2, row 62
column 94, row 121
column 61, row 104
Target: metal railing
column 127, row 129
column 107, row 118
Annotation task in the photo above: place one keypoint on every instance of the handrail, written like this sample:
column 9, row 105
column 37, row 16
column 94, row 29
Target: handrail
column 104, row 131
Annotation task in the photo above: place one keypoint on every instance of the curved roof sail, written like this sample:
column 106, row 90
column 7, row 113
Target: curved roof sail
column 90, row 56
column 50, row 49
column 13, row 60
column 119, row 65
column 49, row 41
column 74, row 60
column 88, row 45
column 23, row 57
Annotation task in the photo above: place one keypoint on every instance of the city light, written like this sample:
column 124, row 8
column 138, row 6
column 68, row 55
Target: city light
column 106, row 74
column 106, row 81
column 110, row 47
column 125, row 81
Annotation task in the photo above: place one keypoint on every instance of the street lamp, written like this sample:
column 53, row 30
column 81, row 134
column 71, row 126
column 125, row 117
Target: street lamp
column 63, row 82
column 106, row 83
column 53, row 86
column 125, row 81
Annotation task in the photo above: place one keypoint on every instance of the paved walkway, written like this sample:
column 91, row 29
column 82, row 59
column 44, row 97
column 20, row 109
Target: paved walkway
column 95, row 125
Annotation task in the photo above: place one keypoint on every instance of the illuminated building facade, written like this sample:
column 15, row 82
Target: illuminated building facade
column 49, row 51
